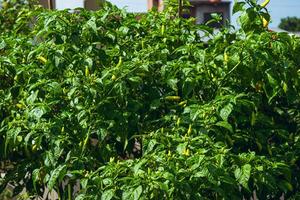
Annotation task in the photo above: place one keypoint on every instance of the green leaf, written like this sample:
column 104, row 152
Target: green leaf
column 202, row 173
column 172, row 83
column 238, row 6
column 137, row 167
column 81, row 197
column 92, row 24
column 31, row 99
column 107, row 182
column 13, row 134
column 225, row 125
column 89, row 62
column 137, row 192
column 35, row 177
column 285, row 186
column 226, row 111
column 127, row 194
column 181, row 148
column 2, row 44
column 273, row 82
column 124, row 30
column 152, row 143
column 285, row 87
column 37, row 113
column 58, row 172
column 168, row 176
column 108, row 194
column 135, row 79
column 253, row 118
column 242, row 175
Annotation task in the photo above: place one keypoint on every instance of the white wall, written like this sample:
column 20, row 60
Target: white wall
column 63, row 4
column 210, row 9
column 131, row 5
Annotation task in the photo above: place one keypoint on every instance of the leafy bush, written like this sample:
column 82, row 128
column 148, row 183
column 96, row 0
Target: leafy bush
column 14, row 13
column 140, row 107
column 290, row 24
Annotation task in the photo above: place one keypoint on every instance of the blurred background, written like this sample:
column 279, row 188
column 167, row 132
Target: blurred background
column 279, row 9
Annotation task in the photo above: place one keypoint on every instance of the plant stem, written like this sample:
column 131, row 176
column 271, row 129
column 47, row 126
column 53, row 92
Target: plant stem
column 69, row 192
column 179, row 8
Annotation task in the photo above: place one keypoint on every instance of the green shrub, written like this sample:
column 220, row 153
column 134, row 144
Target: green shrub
column 290, row 24
column 140, row 107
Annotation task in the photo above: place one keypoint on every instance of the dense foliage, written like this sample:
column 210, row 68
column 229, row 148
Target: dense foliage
column 10, row 9
column 149, row 106
column 290, row 24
